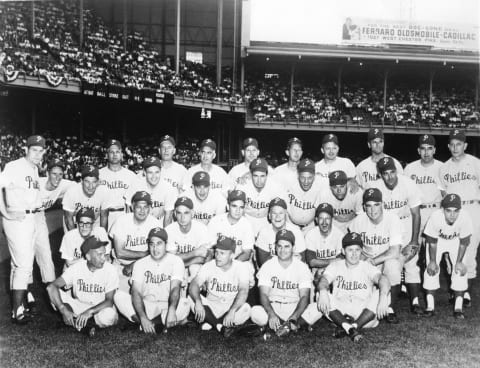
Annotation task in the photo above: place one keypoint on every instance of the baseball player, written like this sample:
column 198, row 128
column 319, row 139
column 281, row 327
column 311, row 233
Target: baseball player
column 70, row 248
column 206, row 203
column 381, row 234
column 461, row 175
column 219, row 179
column 346, row 205
column 93, row 283
column 448, row 230
column 287, row 174
column 20, row 201
column 172, row 172
column 116, row 180
column 259, row 192
column 265, row 242
column 304, row 195
column 154, row 302
column 402, row 197
column 250, row 151
column 367, row 169
column 226, row 282
column 89, row 194
column 284, row 284
column 354, row 302
column 162, row 194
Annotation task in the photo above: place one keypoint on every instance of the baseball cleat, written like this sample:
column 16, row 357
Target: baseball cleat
column 458, row 314
column 354, row 335
column 283, row 330
column 392, row 318
column 467, row 303
column 21, row 317
column 206, row 326
column 339, row 333
column 416, row 309
column 228, row 331
column 429, row 313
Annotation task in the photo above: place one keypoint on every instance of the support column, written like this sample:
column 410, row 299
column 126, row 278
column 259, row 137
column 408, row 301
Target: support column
column 125, row 30
column 339, row 81
column 80, row 23
column 219, row 40
column 430, row 89
column 242, row 75
column 292, row 81
column 385, row 83
column 235, row 46
column 177, row 41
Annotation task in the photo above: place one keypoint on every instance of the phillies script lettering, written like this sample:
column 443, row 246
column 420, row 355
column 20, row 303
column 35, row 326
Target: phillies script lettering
column 84, row 287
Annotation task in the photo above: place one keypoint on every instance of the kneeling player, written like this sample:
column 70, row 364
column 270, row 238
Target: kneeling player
column 94, row 283
column 155, row 301
column 448, row 230
column 226, row 281
column 354, row 302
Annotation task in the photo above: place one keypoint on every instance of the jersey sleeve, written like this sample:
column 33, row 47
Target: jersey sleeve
column 171, row 247
column 331, row 272
column 414, row 194
column 299, row 241
column 68, row 276
column 310, row 240
column 349, row 168
column 68, row 203
column 170, row 198
column 372, row 271
column 243, row 273
column 64, row 249
column 248, row 235
column 221, row 205
column 203, row 235
column 101, row 234
column 178, row 268
column 203, row 273
column 358, row 201
column 137, row 271
column 212, row 231
column 396, row 230
column 306, row 277
column 113, row 281
column 264, row 274
column 466, row 228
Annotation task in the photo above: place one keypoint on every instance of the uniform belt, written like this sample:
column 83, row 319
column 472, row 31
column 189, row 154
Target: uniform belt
column 116, row 209
column 279, row 302
column 472, row 201
column 431, row 205
column 32, row 211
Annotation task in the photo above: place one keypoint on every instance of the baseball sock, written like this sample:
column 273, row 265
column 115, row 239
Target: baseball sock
column 210, row 317
column 458, row 303
column 395, row 293
column 365, row 317
column 413, row 291
column 430, row 302
column 339, row 319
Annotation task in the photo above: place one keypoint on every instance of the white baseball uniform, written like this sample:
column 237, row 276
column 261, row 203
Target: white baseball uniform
column 266, row 239
column 345, row 210
column 173, row 175
column 75, row 199
column 285, row 176
column 324, row 168
column 325, row 247
column 301, row 205
column 219, row 179
column 241, row 169
column 215, row 204
column 367, row 172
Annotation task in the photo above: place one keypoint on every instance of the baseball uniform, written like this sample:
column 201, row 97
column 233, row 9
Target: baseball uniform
column 173, row 175
column 266, row 239
column 215, row 204
column 323, row 168
column 302, row 204
column 285, row 175
column 345, row 210
column 324, row 247
column 219, row 179
column 75, row 199
column 367, row 173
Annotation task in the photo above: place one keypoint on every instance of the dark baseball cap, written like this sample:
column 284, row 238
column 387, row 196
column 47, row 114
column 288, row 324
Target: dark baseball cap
column 352, row 239
column 426, row 139
column 184, row 201
column 250, row 142
column 375, row 133
column 208, row 143
column 85, row 212
column 293, row 141
column 201, row 178
column 237, row 195
column 114, row 142
column 142, row 196
column 89, row 170
column 277, row 202
column 225, row 243
column 306, row 165
column 330, row 138
column 457, row 134
column 152, row 161
column 324, row 207
column 337, row 177
column 372, row 194
column 56, row 162
column 452, row 201
column 259, row 164
column 285, row 234
column 386, row 163
column 159, row 233
column 92, row 243
column 36, row 140
column 167, row 138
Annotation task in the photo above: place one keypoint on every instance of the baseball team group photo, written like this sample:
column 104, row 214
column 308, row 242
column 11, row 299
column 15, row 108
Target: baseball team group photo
column 188, row 183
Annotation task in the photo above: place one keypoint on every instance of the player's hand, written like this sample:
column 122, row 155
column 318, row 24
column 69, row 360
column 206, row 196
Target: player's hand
column 147, row 326
column 323, row 302
column 127, row 270
column 68, row 317
column 432, row 268
column 382, row 307
column 353, row 186
column 460, row 268
column 370, row 260
column 274, row 322
column 82, row 319
column 199, row 312
column 171, row 319
column 228, row 320
column 201, row 251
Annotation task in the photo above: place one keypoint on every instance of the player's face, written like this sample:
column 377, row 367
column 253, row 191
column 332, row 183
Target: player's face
column 223, row 257
column 306, row 180
column 55, row 176
column 339, row 191
column 251, row 153
column 201, row 191
column 374, row 210
column 114, row 155
column 152, row 175
column 259, row 179
column 85, row 226
column 141, row 210
column 295, row 152
column 96, row 257
column 167, row 150
column 35, row 154
column 183, row 215
column 89, row 185
column 324, row 221
column 376, row 145
column 352, row 254
column 207, row 155
column 284, row 250
column 330, row 150
column 426, row 152
column 457, row 148
column 451, row 215
column 236, row 209
column 278, row 216
column 157, row 247
column 390, row 178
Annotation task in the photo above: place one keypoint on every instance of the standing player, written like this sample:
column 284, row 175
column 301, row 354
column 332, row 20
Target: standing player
column 219, row 179
column 172, row 172
column 286, row 174
column 367, row 169
column 155, row 302
column 461, row 175
column 88, row 194
column 241, row 172
column 448, row 231
column 226, row 281
column 206, row 203
column 20, row 202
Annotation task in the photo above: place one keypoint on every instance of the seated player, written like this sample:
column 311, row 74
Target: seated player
column 448, row 230
column 226, row 281
column 93, row 283
column 154, row 301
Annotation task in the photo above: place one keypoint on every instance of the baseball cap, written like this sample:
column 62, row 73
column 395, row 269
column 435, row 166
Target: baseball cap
column 337, row 177
column 91, row 243
column 250, row 142
column 277, row 202
column 452, row 200
column 114, row 142
column 142, row 196
column 352, row 239
column 167, row 138
column 324, row 207
column 330, row 138
column 293, row 141
column 184, row 201
column 201, row 178
column 159, row 233
column 457, row 134
column 225, row 243
column 375, row 133
column 89, row 170
column 56, row 162
column 285, row 234
column 372, row 194
column 152, row 161
column 306, row 165
column 85, row 212
column 259, row 164
column 36, row 140
column 386, row 163
column 208, row 143
column 426, row 139
column 237, row 195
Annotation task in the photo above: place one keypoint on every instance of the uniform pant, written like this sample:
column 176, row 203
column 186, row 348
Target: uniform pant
column 470, row 258
column 284, row 311
column 43, row 252
column 219, row 309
